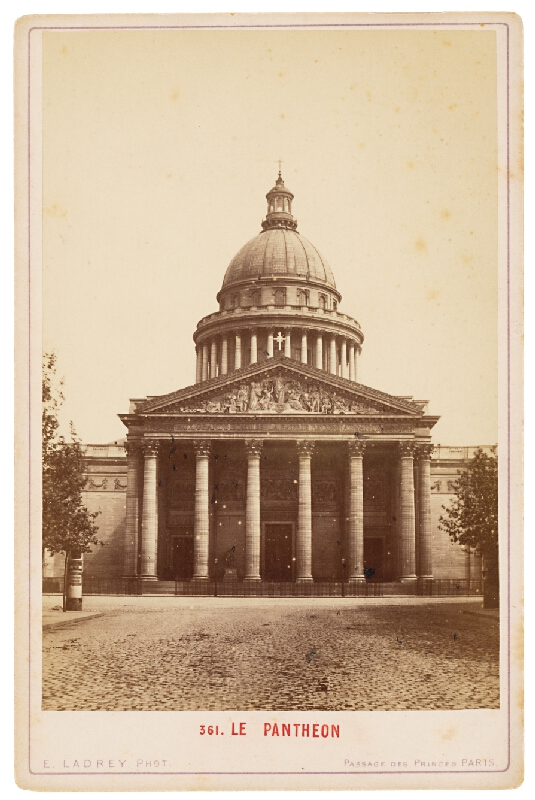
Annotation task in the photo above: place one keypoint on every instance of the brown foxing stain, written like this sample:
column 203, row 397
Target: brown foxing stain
column 410, row 164
column 420, row 245
column 467, row 258
column 64, row 50
column 433, row 294
column 175, row 95
column 54, row 211
column 446, row 43
column 449, row 734
column 445, row 214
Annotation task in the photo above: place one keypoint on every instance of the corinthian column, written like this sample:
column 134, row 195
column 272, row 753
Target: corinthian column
column 213, row 359
column 133, row 457
column 287, row 345
column 351, row 361
column 202, row 511
column 270, row 344
column 304, row 522
column 319, row 351
column 237, row 352
column 425, row 563
column 356, row 511
column 254, row 347
column 204, row 369
column 253, row 448
column 304, row 347
column 343, row 359
column 407, row 539
column 149, row 519
column 224, row 355
column 198, row 370
column 332, row 358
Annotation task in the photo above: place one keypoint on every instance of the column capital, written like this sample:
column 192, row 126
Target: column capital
column 253, row 447
column 356, row 448
column 202, row 448
column 305, row 447
column 424, row 451
column 151, row 447
column 132, row 448
column 406, row 449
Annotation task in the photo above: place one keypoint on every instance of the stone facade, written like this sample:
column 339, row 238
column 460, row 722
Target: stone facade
column 276, row 465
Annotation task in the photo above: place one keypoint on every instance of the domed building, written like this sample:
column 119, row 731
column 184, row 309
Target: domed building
column 276, row 472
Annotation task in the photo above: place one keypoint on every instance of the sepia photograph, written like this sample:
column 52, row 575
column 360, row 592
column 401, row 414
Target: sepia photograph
column 271, row 336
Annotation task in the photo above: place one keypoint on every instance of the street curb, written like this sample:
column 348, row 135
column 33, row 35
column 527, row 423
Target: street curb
column 61, row 623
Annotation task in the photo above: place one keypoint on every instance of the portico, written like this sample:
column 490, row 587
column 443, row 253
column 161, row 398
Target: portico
column 277, row 465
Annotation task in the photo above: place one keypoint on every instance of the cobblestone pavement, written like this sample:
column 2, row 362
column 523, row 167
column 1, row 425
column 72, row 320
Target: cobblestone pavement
column 205, row 654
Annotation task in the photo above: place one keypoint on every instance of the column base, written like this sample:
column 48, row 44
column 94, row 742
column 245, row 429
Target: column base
column 200, row 578
column 308, row 579
column 252, row 579
column 148, row 577
column 408, row 579
column 357, row 579
column 73, row 604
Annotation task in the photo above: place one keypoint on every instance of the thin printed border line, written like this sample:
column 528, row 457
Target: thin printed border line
column 430, row 26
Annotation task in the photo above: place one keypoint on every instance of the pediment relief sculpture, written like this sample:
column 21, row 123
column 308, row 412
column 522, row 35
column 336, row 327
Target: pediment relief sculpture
column 281, row 395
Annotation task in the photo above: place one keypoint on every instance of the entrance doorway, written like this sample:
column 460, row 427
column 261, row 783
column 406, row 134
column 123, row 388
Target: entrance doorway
column 278, row 551
column 373, row 558
column 182, row 558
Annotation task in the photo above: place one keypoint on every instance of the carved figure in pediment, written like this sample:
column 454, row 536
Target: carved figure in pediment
column 279, row 387
column 254, row 395
column 242, row 398
column 266, row 397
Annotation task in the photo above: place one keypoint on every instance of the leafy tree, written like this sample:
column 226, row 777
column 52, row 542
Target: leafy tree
column 472, row 517
column 68, row 526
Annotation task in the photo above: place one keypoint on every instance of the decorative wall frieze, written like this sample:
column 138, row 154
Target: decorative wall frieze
column 285, row 426
column 281, row 489
column 105, row 484
column 92, row 485
column 118, row 486
column 281, row 396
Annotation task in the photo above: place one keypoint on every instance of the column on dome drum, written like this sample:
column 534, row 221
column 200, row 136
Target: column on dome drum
column 198, row 369
column 319, row 351
column 204, row 374
column 343, row 359
column 237, row 352
column 332, row 357
column 304, row 346
column 254, row 347
column 351, row 361
column 287, row 345
column 213, row 359
column 224, row 355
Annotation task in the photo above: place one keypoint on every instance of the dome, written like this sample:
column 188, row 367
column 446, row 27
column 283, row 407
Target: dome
column 277, row 252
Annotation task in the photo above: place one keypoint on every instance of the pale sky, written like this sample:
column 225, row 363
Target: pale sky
column 159, row 148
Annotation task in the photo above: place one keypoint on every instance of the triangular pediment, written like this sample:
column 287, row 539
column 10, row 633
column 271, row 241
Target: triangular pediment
column 279, row 386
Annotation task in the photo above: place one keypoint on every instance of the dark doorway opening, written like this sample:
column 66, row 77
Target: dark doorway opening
column 183, row 558
column 278, row 551
column 373, row 559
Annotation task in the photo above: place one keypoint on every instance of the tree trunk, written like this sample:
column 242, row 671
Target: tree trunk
column 491, row 583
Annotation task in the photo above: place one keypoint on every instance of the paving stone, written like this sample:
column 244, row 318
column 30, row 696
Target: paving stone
column 273, row 656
